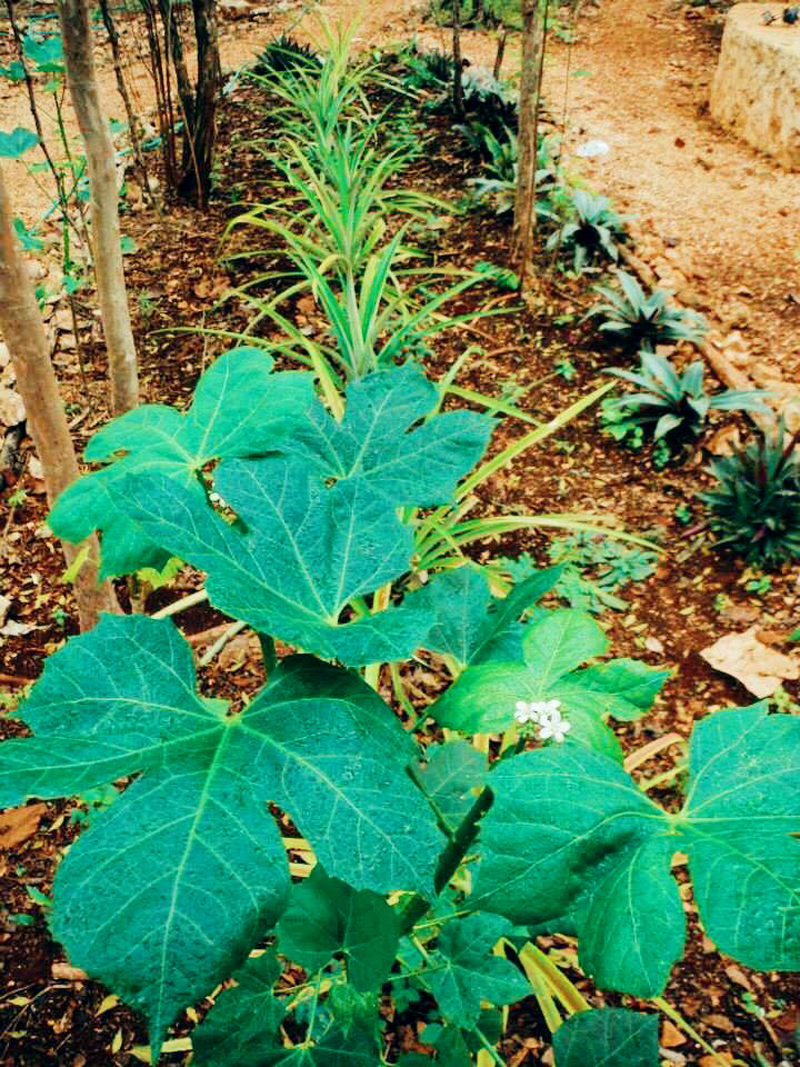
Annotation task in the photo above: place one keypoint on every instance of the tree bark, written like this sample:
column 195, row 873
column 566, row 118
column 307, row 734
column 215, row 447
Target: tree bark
column 458, row 87
column 23, row 331
column 201, row 136
column 109, row 271
column 532, row 40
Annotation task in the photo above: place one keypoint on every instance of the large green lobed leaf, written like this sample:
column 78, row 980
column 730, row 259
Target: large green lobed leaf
column 607, row 1037
column 168, row 890
column 378, row 440
column 298, row 555
column 240, row 408
column 325, row 916
column 570, row 833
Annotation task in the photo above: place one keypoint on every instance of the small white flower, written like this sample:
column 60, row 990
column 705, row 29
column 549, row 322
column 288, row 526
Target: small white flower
column 557, row 729
column 549, row 711
column 522, row 713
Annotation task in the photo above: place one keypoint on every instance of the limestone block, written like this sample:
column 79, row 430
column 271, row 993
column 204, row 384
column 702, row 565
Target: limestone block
column 756, row 89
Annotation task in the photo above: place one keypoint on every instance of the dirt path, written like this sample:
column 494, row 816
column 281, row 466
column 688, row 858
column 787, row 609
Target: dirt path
column 718, row 220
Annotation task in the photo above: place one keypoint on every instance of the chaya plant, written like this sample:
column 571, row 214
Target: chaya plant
column 640, row 321
column 673, row 406
column 593, row 231
column 429, row 865
column 755, row 505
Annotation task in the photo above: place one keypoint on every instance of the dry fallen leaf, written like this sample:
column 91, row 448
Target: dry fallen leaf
column 736, row 974
column 671, row 1036
column 758, row 667
column 724, row 442
column 12, row 410
column 16, row 629
column 18, row 824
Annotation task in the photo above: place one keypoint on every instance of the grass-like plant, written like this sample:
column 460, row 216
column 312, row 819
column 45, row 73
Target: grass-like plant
column 670, row 405
column 592, row 231
column 640, row 321
column 755, row 505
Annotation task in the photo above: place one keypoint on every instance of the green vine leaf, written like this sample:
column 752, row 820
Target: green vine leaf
column 570, row 833
column 378, row 442
column 470, row 623
column 607, row 1037
column 484, row 698
column 239, row 409
column 167, row 891
column 464, row 972
column 243, row 1019
column 299, row 554
column 325, row 916
column 14, row 145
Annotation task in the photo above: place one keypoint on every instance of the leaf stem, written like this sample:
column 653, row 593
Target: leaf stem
column 181, row 605
column 450, row 859
column 484, row 1040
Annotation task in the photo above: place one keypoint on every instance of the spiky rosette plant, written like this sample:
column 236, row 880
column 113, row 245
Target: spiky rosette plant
column 755, row 506
column 640, row 321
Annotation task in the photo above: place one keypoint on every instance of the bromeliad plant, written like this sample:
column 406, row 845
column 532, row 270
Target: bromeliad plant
column 430, row 865
column 593, row 230
column 755, row 505
column 640, row 321
column 671, row 406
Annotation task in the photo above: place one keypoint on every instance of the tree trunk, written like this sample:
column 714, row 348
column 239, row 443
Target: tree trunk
column 524, row 205
column 200, row 137
column 501, row 51
column 458, row 88
column 23, row 331
column 79, row 61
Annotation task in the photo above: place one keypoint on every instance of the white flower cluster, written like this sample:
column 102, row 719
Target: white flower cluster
column 545, row 716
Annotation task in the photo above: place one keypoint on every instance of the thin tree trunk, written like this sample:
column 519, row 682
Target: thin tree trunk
column 134, row 126
column 109, row 271
column 199, row 143
column 501, row 51
column 23, row 331
column 458, row 87
column 528, row 114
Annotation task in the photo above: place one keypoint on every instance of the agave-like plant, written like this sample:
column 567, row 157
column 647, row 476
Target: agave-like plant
column 593, row 230
column 640, row 320
column 755, row 505
column 675, row 406
column 287, row 54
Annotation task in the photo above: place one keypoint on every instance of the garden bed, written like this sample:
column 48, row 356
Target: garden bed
column 51, row 1016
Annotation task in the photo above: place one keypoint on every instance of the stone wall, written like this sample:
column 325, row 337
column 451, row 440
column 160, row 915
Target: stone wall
column 756, row 89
